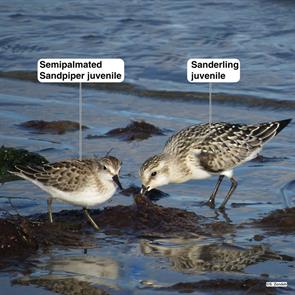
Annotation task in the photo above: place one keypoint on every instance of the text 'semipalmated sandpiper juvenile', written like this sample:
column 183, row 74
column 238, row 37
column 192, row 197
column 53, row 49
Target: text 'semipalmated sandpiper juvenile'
column 84, row 183
column 204, row 150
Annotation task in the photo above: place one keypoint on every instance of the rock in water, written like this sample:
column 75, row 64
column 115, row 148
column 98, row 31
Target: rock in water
column 54, row 127
column 136, row 130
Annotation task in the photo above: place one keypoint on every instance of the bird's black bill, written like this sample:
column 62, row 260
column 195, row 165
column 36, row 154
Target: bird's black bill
column 117, row 181
column 144, row 189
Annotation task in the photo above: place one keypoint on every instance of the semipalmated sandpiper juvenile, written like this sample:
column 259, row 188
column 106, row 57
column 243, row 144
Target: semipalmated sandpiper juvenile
column 84, row 183
column 205, row 150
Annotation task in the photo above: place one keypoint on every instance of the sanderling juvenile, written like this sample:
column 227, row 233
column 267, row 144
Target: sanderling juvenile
column 205, row 150
column 84, row 183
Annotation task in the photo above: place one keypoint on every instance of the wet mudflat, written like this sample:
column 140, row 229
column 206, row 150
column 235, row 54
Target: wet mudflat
column 21, row 237
column 69, row 286
column 167, row 243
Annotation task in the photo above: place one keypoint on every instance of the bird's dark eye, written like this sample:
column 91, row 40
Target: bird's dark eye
column 104, row 168
column 154, row 174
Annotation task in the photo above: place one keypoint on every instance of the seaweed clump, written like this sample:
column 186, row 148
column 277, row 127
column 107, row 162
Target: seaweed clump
column 16, row 238
column 9, row 157
column 136, row 130
column 281, row 220
column 153, row 194
column 22, row 236
column 145, row 218
column 53, row 127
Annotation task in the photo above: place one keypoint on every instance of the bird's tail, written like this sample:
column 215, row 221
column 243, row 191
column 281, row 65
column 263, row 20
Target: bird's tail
column 282, row 125
column 266, row 131
column 25, row 172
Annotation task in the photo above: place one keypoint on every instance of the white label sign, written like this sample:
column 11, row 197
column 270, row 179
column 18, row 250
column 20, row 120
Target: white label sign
column 276, row 284
column 213, row 70
column 81, row 70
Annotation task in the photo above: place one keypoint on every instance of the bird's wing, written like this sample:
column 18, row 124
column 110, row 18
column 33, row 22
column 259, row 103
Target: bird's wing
column 229, row 145
column 222, row 146
column 65, row 175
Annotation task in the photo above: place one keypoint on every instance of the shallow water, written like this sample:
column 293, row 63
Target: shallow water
column 156, row 38
column 119, row 264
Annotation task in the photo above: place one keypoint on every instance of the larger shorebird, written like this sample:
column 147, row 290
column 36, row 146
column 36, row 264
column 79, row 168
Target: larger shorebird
column 205, row 150
column 84, row 183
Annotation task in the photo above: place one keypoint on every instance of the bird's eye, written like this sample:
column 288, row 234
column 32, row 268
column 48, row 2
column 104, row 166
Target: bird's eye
column 154, row 174
column 104, row 168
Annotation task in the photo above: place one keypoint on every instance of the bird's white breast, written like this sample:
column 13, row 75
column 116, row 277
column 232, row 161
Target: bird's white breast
column 87, row 197
column 198, row 172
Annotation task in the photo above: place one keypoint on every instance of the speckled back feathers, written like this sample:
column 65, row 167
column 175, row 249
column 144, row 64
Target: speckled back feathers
column 221, row 146
column 69, row 175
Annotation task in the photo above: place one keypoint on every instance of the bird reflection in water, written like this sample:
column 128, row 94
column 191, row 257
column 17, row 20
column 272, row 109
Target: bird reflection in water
column 74, row 272
column 194, row 255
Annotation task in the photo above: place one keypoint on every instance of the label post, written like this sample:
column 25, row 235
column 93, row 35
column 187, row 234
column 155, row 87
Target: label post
column 213, row 70
column 81, row 70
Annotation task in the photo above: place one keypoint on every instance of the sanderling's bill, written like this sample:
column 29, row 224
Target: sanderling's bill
column 204, row 150
column 84, row 183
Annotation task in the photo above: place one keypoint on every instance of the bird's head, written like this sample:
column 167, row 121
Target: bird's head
column 155, row 172
column 110, row 169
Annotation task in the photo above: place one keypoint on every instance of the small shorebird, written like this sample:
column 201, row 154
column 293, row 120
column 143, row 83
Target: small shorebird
column 205, row 150
column 84, row 183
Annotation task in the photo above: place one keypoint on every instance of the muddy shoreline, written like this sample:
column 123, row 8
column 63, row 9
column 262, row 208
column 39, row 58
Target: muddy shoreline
column 21, row 236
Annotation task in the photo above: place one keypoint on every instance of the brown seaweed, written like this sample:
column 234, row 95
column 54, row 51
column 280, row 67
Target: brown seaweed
column 136, row 130
column 53, row 127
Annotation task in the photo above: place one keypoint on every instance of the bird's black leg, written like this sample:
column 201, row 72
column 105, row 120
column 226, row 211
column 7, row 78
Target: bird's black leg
column 49, row 202
column 90, row 219
column 211, row 201
column 233, row 187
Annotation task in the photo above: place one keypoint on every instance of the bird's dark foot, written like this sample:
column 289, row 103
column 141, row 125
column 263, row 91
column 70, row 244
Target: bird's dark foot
column 210, row 204
column 221, row 208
